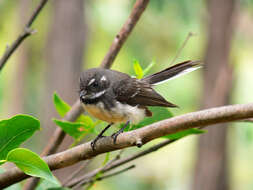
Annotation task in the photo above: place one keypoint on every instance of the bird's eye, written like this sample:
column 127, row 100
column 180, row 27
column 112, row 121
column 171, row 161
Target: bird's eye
column 94, row 84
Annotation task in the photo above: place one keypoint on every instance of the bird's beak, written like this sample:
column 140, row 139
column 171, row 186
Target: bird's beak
column 82, row 95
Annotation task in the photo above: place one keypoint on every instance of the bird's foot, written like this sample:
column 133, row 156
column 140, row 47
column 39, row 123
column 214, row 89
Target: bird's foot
column 93, row 143
column 115, row 135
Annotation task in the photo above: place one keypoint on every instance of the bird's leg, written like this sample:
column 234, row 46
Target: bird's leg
column 100, row 135
column 115, row 135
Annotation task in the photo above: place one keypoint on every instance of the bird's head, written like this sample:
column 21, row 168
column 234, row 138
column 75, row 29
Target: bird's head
column 93, row 85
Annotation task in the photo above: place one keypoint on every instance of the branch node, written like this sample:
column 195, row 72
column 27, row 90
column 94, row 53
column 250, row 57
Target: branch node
column 139, row 143
column 29, row 31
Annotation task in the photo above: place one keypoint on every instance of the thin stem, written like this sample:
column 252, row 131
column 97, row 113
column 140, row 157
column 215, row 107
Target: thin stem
column 75, row 173
column 27, row 31
column 190, row 34
column 92, row 181
column 118, row 162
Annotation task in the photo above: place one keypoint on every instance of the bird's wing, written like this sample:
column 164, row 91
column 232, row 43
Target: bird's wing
column 136, row 92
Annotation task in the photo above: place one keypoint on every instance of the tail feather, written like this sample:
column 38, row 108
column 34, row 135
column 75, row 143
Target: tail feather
column 172, row 72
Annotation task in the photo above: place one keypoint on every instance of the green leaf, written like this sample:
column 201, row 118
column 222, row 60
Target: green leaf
column 149, row 67
column 2, row 162
column 74, row 129
column 185, row 133
column 159, row 113
column 31, row 164
column 138, row 70
column 85, row 119
column 61, row 107
column 15, row 131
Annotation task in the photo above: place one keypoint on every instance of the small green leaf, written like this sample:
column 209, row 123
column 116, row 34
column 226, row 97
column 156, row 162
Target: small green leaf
column 61, row 107
column 149, row 67
column 2, row 161
column 74, row 129
column 185, row 133
column 138, row 70
column 85, row 119
column 15, row 131
column 31, row 164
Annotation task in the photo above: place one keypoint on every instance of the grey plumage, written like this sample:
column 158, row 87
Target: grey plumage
column 125, row 89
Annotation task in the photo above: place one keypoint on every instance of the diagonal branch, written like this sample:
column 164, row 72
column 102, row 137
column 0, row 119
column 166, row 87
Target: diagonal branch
column 138, row 137
column 27, row 31
column 125, row 31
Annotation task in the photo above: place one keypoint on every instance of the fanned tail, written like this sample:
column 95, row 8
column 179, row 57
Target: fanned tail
column 172, row 72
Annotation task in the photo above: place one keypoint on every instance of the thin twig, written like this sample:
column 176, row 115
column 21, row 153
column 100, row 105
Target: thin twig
column 113, row 174
column 190, row 34
column 93, row 173
column 120, row 162
column 27, row 31
column 75, row 173
column 103, row 177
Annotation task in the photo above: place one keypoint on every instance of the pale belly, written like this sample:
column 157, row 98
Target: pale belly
column 120, row 114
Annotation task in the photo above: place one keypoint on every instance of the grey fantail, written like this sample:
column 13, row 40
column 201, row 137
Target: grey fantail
column 116, row 97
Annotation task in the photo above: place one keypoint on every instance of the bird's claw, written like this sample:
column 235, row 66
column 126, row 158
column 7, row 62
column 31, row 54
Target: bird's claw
column 93, row 143
column 115, row 135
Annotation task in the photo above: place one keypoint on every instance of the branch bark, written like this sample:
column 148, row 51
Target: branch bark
column 138, row 137
column 27, row 31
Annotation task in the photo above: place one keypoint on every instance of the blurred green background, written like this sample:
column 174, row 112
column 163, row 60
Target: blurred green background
column 26, row 85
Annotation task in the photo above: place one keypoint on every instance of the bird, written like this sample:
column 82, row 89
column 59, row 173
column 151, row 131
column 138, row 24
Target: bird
column 116, row 97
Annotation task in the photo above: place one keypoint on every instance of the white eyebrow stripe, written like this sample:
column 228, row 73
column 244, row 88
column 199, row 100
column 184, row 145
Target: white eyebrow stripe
column 103, row 78
column 91, row 81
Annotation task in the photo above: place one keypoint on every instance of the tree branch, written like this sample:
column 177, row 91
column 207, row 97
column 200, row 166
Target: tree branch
column 27, row 31
column 122, row 36
column 138, row 137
